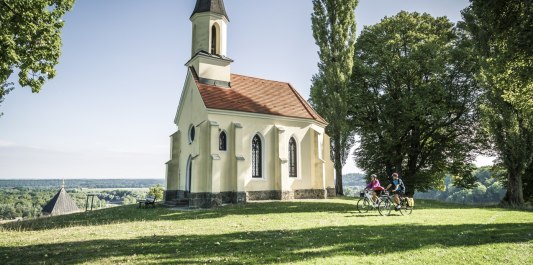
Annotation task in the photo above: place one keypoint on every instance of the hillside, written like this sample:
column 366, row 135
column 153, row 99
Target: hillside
column 296, row 232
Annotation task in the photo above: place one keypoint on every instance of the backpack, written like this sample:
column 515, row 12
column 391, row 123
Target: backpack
column 410, row 202
column 402, row 186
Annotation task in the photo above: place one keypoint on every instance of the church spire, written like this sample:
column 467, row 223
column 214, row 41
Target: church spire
column 209, row 43
column 213, row 6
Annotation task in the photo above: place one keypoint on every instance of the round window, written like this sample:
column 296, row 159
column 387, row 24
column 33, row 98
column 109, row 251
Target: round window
column 192, row 133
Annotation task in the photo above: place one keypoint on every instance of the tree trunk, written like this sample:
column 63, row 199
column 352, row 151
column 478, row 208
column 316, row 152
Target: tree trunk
column 338, row 165
column 514, row 195
column 408, row 181
column 527, row 184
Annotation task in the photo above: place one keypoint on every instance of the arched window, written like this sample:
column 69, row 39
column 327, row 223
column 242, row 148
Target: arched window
column 222, row 141
column 257, row 159
column 293, row 173
column 214, row 36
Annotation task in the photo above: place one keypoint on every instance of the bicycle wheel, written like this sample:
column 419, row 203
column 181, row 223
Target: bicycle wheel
column 385, row 207
column 363, row 205
column 406, row 209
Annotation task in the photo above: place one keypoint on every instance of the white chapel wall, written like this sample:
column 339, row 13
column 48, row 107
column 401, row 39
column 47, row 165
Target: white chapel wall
column 275, row 177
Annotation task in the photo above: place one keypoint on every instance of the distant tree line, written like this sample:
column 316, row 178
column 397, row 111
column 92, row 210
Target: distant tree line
column 81, row 183
column 353, row 183
column 488, row 188
column 29, row 202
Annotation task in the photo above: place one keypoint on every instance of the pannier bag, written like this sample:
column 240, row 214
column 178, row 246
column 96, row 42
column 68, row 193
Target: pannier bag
column 411, row 202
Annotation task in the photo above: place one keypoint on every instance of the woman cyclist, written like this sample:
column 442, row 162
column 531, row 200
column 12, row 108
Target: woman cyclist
column 375, row 187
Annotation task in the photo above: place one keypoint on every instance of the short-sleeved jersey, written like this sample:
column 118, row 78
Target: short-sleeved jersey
column 398, row 183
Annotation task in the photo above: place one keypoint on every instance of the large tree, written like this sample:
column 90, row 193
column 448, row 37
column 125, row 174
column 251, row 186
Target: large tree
column 414, row 98
column 30, row 41
column 501, row 31
column 334, row 32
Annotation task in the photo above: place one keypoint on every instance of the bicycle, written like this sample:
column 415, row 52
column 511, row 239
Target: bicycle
column 387, row 205
column 365, row 202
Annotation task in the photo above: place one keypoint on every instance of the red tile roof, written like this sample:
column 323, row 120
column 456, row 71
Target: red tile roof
column 255, row 95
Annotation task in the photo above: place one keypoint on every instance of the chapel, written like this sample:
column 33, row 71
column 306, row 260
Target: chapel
column 241, row 138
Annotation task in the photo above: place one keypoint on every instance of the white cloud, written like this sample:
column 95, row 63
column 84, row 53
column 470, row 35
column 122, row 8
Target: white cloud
column 4, row 143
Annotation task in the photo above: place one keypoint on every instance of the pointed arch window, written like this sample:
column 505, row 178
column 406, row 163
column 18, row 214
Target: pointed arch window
column 293, row 171
column 222, row 141
column 257, row 159
column 214, row 41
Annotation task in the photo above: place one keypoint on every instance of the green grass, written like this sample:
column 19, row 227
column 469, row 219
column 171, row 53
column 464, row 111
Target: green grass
column 293, row 232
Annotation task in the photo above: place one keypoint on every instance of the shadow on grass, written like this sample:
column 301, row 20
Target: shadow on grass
column 270, row 246
column 132, row 213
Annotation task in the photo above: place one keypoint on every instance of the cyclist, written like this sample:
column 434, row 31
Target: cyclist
column 399, row 189
column 375, row 187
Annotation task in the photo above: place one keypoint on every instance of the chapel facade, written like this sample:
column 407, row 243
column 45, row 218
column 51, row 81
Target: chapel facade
column 241, row 138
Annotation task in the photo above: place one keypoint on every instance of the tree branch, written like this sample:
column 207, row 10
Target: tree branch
column 8, row 7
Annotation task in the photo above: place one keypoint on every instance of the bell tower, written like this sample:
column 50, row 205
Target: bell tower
column 209, row 43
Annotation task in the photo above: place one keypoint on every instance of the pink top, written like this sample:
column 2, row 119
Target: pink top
column 374, row 184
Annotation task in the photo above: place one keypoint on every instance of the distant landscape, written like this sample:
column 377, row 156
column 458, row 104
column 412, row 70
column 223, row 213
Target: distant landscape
column 25, row 198
column 488, row 188
column 80, row 183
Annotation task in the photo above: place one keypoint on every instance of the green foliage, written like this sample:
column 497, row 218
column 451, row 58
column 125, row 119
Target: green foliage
column 128, row 199
column 503, row 35
column 335, row 33
column 5, row 88
column 487, row 189
column 290, row 232
column 25, row 198
column 28, row 202
column 30, row 41
column 501, row 32
column 157, row 191
column 414, row 96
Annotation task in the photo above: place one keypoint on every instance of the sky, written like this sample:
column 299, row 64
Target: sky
column 109, row 111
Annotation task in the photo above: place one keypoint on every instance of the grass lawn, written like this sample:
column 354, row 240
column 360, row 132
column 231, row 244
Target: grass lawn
column 291, row 232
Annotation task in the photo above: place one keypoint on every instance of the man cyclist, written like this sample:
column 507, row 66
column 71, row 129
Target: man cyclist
column 399, row 189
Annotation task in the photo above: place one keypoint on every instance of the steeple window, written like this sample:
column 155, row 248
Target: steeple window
column 215, row 39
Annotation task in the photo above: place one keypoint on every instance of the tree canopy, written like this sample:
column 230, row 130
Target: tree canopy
column 501, row 32
column 414, row 99
column 334, row 32
column 30, row 41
